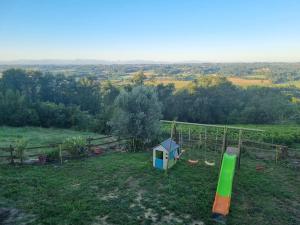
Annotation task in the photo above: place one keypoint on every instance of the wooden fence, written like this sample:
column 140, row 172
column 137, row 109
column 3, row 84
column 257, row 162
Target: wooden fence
column 10, row 151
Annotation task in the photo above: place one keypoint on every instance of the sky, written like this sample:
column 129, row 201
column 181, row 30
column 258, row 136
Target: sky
column 157, row 30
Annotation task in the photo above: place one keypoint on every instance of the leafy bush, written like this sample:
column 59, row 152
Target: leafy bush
column 75, row 146
column 52, row 156
column 20, row 149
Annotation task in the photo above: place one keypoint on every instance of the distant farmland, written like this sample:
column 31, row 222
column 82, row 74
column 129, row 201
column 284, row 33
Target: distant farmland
column 249, row 82
column 235, row 80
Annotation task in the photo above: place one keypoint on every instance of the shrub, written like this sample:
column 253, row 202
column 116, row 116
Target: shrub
column 52, row 156
column 75, row 146
column 20, row 149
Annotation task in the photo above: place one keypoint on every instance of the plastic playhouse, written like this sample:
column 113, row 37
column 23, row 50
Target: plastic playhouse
column 166, row 154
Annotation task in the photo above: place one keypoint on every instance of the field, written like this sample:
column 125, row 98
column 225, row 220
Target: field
column 242, row 82
column 123, row 188
column 249, row 82
column 179, row 84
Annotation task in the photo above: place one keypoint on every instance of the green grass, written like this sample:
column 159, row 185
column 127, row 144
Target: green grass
column 37, row 136
column 124, row 188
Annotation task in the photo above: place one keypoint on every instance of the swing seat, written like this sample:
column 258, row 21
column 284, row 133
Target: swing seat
column 193, row 162
column 209, row 163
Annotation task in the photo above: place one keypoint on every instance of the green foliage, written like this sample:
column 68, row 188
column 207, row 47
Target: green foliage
column 139, row 78
column 43, row 99
column 137, row 114
column 20, row 149
column 75, row 146
column 53, row 156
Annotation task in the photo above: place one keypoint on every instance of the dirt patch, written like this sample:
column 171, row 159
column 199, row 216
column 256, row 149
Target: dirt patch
column 197, row 222
column 12, row 216
column 149, row 213
column 132, row 183
column 167, row 216
column 172, row 218
column 110, row 195
column 101, row 221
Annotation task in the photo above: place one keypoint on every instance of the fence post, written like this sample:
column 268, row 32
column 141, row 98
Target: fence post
column 60, row 155
column 240, row 149
column 223, row 145
column 89, row 143
column 11, row 149
column 276, row 154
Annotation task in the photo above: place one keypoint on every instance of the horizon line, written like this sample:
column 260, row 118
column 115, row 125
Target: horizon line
column 78, row 61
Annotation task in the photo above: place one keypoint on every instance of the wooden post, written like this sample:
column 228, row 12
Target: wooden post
column 22, row 155
column 133, row 144
column 283, row 152
column 216, row 143
column 89, row 143
column 11, row 149
column 223, row 145
column 205, row 139
column 276, row 154
column 240, row 148
column 60, row 155
column 189, row 135
column 170, row 147
column 200, row 138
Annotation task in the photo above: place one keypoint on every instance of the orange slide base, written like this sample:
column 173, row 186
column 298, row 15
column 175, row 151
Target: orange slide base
column 221, row 205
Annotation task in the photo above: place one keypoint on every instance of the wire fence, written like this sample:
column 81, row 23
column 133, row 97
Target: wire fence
column 208, row 143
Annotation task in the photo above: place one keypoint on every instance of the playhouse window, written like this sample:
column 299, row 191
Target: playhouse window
column 159, row 154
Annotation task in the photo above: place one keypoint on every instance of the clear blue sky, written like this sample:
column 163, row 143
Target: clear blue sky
column 169, row 30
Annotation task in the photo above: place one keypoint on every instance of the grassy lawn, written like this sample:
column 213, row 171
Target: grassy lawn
column 124, row 188
column 37, row 136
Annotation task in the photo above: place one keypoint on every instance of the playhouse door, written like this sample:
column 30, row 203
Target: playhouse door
column 159, row 163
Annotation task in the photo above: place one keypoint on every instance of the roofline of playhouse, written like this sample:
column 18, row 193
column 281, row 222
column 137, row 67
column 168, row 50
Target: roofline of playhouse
column 162, row 147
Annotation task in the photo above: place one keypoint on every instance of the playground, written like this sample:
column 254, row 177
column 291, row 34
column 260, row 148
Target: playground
column 124, row 188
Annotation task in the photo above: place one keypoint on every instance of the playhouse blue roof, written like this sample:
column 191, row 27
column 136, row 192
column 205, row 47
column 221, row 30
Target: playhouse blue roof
column 169, row 142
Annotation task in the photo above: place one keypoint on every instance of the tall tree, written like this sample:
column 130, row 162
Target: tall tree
column 137, row 114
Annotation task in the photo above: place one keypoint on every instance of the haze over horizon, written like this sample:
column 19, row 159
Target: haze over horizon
column 159, row 31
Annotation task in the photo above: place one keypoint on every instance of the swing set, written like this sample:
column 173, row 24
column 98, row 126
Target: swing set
column 206, row 143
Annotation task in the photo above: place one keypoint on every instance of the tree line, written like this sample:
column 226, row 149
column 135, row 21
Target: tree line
column 43, row 99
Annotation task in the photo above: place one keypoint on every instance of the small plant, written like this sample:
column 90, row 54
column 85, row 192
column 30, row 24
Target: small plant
column 52, row 156
column 75, row 146
column 20, row 149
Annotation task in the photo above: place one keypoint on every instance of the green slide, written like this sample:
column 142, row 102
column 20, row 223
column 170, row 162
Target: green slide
column 223, row 195
column 226, row 175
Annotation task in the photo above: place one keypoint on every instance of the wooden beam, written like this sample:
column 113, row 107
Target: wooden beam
column 217, row 126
